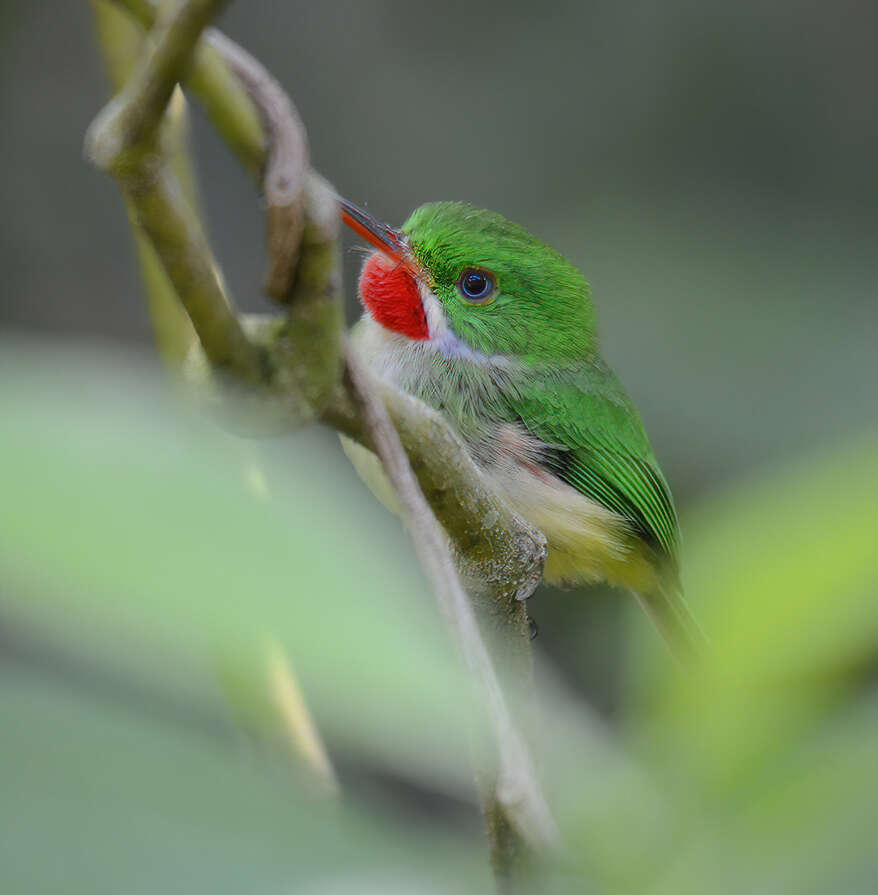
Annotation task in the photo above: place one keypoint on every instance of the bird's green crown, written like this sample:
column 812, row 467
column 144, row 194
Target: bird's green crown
column 503, row 291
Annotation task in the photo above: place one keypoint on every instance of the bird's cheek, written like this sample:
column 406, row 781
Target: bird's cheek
column 391, row 293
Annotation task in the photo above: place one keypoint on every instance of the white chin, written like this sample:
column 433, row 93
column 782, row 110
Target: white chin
column 442, row 338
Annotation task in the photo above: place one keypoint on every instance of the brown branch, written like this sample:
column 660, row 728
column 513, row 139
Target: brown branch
column 517, row 790
column 286, row 165
column 499, row 551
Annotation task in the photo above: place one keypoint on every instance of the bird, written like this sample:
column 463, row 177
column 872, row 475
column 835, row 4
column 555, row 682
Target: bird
column 470, row 313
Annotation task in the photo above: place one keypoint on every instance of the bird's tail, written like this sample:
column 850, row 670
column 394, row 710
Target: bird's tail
column 667, row 609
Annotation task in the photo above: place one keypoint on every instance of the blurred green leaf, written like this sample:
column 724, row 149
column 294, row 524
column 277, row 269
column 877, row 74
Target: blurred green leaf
column 133, row 549
column 99, row 799
column 130, row 530
column 134, row 560
column 784, row 577
column 768, row 744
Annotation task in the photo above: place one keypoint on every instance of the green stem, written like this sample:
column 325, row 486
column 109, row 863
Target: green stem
column 226, row 104
column 126, row 139
column 120, row 42
column 134, row 119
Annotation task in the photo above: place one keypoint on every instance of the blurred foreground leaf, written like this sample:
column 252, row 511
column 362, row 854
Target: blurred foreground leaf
column 134, row 554
column 128, row 527
column 131, row 546
column 771, row 742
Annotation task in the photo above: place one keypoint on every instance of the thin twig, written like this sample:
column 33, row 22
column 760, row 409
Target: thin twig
column 140, row 108
column 120, row 42
column 226, row 103
column 286, row 166
column 498, row 548
column 517, row 789
column 125, row 140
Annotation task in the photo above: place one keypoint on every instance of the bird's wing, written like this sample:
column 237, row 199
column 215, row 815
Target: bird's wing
column 598, row 445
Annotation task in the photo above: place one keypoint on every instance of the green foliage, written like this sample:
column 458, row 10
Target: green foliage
column 135, row 560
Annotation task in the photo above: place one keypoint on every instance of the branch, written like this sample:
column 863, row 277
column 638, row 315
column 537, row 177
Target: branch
column 504, row 553
column 120, row 42
column 266, row 695
column 496, row 546
column 517, row 789
column 141, row 106
column 126, row 141
column 226, row 103
column 300, row 361
column 286, row 165
column 302, row 226
column 514, row 789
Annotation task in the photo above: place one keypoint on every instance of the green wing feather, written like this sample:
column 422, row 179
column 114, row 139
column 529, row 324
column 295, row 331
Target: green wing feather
column 597, row 444
column 601, row 448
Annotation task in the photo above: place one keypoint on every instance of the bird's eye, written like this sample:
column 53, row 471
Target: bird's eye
column 476, row 285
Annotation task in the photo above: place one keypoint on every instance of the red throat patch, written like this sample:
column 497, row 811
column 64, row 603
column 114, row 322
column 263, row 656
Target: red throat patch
column 391, row 293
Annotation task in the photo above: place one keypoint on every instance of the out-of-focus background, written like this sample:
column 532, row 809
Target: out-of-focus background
column 710, row 167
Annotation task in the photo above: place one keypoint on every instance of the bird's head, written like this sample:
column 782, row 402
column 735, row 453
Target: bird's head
column 470, row 282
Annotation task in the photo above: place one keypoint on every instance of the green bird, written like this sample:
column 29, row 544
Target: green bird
column 482, row 321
